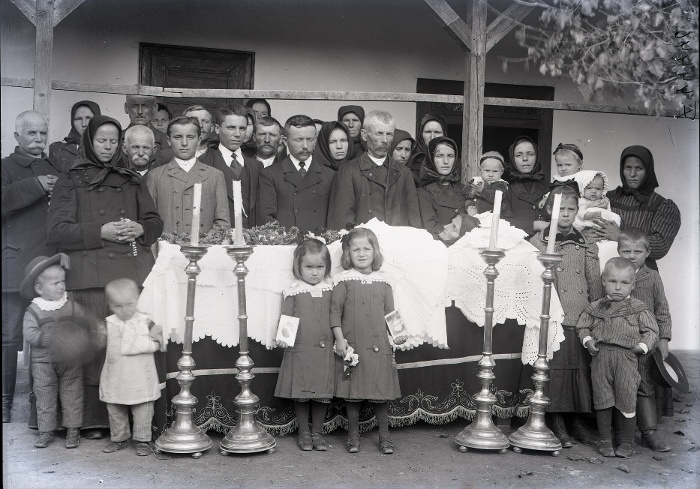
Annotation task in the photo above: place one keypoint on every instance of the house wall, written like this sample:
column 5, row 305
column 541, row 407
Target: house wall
column 361, row 45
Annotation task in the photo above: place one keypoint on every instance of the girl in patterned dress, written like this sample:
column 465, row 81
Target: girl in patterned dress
column 307, row 374
column 361, row 298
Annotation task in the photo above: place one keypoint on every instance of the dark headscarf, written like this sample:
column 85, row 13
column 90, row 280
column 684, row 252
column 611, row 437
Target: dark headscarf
column 74, row 136
column 322, row 153
column 420, row 149
column 358, row 144
column 428, row 171
column 401, row 135
column 88, row 158
column 648, row 184
column 512, row 172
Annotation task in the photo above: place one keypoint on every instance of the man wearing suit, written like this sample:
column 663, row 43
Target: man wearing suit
column 172, row 185
column 268, row 133
column 295, row 191
column 141, row 109
column 231, row 124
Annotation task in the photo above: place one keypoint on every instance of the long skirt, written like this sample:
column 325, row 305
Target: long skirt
column 569, row 387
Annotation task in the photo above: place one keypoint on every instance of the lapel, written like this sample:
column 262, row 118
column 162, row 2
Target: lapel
column 642, row 275
column 313, row 176
column 393, row 169
column 290, row 173
column 197, row 174
column 367, row 169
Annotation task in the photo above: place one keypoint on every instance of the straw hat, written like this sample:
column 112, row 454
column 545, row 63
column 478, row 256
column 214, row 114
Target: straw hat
column 34, row 269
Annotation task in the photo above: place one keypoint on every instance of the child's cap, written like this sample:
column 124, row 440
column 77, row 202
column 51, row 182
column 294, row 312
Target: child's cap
column 34, row 269
column 584, row 177
column 492, row 155
column 570, row 147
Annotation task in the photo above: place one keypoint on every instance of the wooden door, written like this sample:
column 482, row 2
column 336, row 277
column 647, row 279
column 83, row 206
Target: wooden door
column 190, row 67
column 501, row 124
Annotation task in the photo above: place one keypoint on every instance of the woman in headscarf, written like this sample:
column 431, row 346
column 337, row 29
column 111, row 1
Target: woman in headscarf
column 431, row 126
column 527, row 185
column 104, row 219
column 440, row 195
column 353, row 116
column 402, row 146
column 333, row 145
column 639, row 206
column 63, row 153
column 248, row 148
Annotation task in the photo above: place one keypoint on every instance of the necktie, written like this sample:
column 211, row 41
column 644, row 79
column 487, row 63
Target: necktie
column 302, row 170
column 236, row 166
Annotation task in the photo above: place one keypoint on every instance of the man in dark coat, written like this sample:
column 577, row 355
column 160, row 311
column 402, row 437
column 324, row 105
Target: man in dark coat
column 141, row 109
column 374, row 185
column 231, row 124
column 268, row 134
column 295, row 191
column 28, row 178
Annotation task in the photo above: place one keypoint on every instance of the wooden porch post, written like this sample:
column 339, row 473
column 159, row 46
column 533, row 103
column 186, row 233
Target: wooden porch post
column 475, row 67
column 44, row 56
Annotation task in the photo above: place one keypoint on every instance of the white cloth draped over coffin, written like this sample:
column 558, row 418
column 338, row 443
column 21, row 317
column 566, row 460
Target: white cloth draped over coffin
column 424, row 274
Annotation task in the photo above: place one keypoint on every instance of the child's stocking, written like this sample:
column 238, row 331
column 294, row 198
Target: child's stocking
column 628, row 427
column 353, row 410
column 302, row 411
column 381, row 411
column 604, row 417
column 318, row 416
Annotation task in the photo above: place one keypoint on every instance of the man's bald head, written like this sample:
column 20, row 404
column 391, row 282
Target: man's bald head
column 140, row 108
column 139, row 144
column 31, row 132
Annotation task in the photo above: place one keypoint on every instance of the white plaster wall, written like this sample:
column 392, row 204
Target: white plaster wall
column 359, row 45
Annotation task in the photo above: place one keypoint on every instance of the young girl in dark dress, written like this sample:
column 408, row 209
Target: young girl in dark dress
column 361, row 298
column 308, row 369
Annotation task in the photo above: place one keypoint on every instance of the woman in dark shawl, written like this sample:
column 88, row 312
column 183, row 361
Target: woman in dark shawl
column 105, row 220
column 431, row 126
column 440, row 195
column 63, row 153
column 527, row 185
column 402, row 147
column 333, row 137
column 248, row 148
column 353, row 116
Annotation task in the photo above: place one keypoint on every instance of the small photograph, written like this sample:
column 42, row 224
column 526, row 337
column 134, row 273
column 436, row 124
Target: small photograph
column 396, row 326
column 287, row 330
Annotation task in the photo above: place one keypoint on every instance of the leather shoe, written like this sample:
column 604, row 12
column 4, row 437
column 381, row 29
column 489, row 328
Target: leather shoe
column 318, row 442
column 114, row 446
column 580, row 431
column 606, row 448
column 353, row 444
column 651, row 440
column 143, row 449
column 93, row 434
column 386, row 445
column 45, row 439
column 625, row 450
column 72, row 438
column 559, row 429
column 304, row 441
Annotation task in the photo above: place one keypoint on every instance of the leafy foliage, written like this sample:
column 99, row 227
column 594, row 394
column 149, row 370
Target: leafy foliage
column 650, row 46
column 270, row 234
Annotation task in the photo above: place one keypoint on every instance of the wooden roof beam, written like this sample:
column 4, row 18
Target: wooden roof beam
column 28, row 8
column 455, row 25
column 505, row 23
column 62, row 8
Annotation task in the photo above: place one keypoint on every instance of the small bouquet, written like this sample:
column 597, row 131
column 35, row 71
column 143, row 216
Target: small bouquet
column 350, row 360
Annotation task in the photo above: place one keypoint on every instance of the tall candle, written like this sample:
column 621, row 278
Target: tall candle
column 238, row 213
column 196, row 205
column 496, row 219
column 554, row 224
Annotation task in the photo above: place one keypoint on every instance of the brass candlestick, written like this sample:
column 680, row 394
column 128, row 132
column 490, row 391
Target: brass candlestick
column 535, row 435
column 184, row 436
column 482, row 432
column 247, row 436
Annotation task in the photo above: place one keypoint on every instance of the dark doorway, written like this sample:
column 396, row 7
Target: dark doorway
column 187, row 67
column 501, row 124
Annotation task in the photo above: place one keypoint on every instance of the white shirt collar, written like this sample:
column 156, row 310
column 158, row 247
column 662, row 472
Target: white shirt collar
column 186, row 164
column 142, row 172
column 266, row 162
column 377, row 161
column 295, row 161
column 45, row 305
column 227, row 154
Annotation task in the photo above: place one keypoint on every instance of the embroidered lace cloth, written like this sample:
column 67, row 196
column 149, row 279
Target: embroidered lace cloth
column 425, row 277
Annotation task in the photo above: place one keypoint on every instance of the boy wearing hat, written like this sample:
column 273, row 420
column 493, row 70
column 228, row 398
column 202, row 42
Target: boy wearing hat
column 633, row 244
column 52, row 329
column 616, row 330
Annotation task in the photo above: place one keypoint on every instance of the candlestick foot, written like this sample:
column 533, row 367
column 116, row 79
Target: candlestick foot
column 247, row 439
column 192, row 441
column 482, row 437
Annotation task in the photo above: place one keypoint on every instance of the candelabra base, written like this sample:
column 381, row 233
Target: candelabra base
column 247, row 438
column 535, row 436
column 482, row 434
column 192, row 440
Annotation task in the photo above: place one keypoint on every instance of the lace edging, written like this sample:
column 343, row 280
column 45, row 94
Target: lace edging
column 299, row 287
column 364, row 278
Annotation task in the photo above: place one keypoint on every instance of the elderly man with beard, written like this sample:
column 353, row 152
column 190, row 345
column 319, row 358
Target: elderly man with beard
column 268, row 134
column 374, row 185
column 28, row 178
column 138, row 146
column 141, row 109
column 295, row 190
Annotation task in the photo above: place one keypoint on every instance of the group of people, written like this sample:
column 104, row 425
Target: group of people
column 83, row 220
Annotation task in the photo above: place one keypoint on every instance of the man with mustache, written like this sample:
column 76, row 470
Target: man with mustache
column 141, row 109
column 138, row 147
column 374, row 185
column 268, row 134
column 295, row 191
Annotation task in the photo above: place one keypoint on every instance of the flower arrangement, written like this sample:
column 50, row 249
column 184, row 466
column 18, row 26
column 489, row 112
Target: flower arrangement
column 350, row 360
column 270, row 234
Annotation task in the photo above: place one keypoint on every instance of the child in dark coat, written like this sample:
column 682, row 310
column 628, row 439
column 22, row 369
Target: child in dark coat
column 482, row 189
column 307, row 374
column 617, row 330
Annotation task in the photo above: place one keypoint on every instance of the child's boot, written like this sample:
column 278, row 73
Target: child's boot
column 581, row 432
column 626, row 448
column 143, row 449
column 558, row 427
column 318, row 416
column 353, row 410
column 381, row 411
column 45, row 439
column 646, row 415
column 73, row 438
column 301, row 409
column 604, row 418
